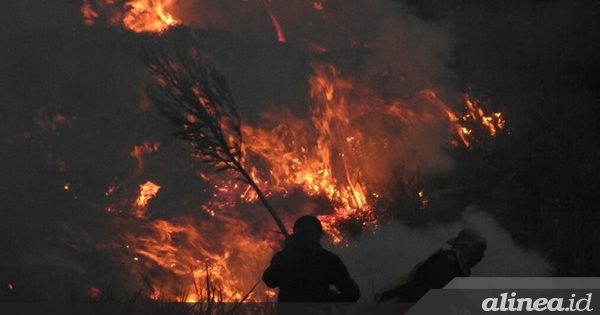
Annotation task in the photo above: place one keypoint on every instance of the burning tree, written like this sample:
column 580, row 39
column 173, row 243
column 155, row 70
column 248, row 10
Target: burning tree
column 195, row 97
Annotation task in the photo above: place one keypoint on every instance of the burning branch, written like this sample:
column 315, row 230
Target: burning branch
column 192, row 94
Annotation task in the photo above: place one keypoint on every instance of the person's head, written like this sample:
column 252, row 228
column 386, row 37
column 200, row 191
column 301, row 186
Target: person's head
column 471, row 244
column 308, row 227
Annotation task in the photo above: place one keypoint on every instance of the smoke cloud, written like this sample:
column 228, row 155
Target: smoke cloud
column 392, row 250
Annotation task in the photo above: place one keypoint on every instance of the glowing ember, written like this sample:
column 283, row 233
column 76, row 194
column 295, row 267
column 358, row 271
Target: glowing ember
column 492, row 123
column 140, row 152
column 94, row 292
column 52, row 124
column 89, row 15
column 155, row 294
column 110, row 191
column 280, row 35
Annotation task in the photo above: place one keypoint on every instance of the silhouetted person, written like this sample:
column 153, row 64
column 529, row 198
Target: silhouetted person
column 305, row 272
column 468, row 248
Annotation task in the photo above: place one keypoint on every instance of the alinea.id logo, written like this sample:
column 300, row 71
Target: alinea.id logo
column 514, row 304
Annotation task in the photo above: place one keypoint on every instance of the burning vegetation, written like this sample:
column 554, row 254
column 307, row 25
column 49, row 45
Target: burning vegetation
column 337, row 161
column 138, row 16
column 340, row 155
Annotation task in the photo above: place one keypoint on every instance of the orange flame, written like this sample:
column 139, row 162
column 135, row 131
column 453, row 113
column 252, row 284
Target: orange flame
column 140, row 16
column 320, row 157
column 149, row 15
column 147, row 191
column 492, row 123
column 198, row 258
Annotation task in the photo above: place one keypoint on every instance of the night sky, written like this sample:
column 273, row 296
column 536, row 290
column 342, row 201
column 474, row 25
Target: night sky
column 74, row 107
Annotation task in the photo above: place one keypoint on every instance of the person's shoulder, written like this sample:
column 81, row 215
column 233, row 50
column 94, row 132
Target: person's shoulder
column 443, row 257
column 328, row 255
column 324, row 251
column 281, row 255
column 442, row 252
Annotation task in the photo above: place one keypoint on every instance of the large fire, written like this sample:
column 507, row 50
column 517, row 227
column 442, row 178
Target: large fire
column 322, row 157
column 334, row 155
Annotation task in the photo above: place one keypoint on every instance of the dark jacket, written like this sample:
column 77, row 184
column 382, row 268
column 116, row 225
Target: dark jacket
column 433, row 273
column 304, row 272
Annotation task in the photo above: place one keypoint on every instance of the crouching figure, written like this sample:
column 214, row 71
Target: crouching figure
column 467, row 250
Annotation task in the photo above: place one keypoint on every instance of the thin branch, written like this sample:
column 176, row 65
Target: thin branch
column 195, row 98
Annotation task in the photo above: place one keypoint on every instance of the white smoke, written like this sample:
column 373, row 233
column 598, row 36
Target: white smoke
column 392, row 250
